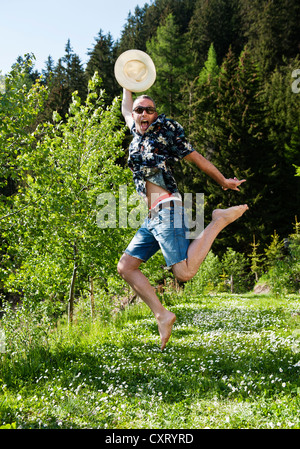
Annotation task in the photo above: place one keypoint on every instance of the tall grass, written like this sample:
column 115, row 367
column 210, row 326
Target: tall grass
column 232, row 362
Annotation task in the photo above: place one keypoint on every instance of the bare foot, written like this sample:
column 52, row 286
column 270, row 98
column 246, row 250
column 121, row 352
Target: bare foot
column 229, row 215
column 165, row 325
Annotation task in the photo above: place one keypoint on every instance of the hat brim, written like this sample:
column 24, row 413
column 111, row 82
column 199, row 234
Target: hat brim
column 135, row 71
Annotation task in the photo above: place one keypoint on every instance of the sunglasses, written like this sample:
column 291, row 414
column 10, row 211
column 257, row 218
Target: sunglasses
column 140, row 109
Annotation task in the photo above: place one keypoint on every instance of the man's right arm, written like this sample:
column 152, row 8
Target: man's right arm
column 127, row 103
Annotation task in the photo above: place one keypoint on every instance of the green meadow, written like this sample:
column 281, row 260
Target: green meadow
column 232, row 362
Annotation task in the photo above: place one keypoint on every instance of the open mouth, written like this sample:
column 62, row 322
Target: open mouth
column 144, row 125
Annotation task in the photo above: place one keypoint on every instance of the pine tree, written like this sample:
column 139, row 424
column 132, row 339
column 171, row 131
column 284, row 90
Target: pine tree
column 197, row 112
column 211, row 68
column 68, row 76
column 27, row 63
column 273, row 251
column 102, row 60
column 75, row 76
column 137, row 31
column 217, row 22
column 272, row 30
column 167, row 50
column 47, row 72
column 283, row 123
column 142, row 25
column 59, row 97
column 256, row 259
column 235, row 267
column 229, row 124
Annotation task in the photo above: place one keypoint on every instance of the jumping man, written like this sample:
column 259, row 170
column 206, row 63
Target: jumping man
column 157, row 143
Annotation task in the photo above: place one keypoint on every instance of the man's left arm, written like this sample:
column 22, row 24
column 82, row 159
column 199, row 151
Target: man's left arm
column 209, row 169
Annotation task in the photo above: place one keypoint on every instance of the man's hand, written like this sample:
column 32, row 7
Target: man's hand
column 232, row 184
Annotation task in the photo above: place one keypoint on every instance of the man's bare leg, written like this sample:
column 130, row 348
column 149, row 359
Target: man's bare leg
column 200, row 247
column 128, row 268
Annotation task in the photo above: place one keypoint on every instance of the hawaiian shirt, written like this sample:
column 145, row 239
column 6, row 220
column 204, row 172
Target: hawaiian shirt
column 163, row 144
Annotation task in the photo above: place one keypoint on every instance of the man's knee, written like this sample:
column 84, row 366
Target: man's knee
column 121, row 267
column 182, row 273
column 183, row 277
column 127, row 264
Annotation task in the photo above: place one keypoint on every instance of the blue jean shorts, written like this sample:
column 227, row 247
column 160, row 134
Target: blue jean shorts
column 166, row 230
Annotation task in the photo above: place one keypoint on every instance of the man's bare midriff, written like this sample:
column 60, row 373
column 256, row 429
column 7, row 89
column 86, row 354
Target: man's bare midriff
column 154, row 192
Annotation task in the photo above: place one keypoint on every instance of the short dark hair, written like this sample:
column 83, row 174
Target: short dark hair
column 145, row 97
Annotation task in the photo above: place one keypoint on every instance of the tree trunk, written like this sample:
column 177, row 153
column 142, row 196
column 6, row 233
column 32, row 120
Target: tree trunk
column 92, row 298
column 71, row 295
column 231, row 284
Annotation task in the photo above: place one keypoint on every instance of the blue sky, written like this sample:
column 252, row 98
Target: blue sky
column 43, row 27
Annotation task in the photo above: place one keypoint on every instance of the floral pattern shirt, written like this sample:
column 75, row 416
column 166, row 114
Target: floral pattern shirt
column 163, row 144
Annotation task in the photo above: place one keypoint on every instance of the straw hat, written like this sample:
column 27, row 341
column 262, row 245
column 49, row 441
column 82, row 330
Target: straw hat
column 135, row 70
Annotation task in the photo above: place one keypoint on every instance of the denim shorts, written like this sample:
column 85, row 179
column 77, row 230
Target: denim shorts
column 166, row 230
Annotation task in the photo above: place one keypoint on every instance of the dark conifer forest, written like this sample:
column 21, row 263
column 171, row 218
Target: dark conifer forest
column 224, row 70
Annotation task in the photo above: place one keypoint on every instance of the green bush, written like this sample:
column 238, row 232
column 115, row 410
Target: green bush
column 283, row 275
column 236, row 271
column 208, row 277
column 231, row 273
